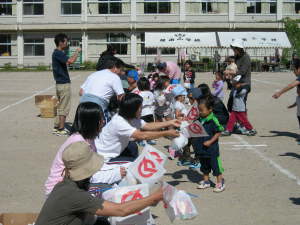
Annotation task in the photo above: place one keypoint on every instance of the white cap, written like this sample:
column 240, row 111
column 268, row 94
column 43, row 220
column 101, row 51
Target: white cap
column 237, row 78
column 237, row 43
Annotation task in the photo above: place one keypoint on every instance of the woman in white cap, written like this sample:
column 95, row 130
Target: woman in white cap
column 70, row 203
column 243, row 62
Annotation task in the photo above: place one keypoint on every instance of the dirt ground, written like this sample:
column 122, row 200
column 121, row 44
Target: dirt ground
column 262, row 173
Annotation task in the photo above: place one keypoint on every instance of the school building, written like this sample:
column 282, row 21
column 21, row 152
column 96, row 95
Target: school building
column 27, row 27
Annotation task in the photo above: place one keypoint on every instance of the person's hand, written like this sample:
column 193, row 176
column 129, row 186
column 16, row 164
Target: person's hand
column 78, row 50
column 276, row 95
column 207, row 143
column 123, row 171
column 158, row 195
column 173, row 133
column 290, row 106
column 175, row 123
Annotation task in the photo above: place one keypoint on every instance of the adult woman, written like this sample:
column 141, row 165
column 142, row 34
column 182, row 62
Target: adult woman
column 87, row 125
column 115, row 141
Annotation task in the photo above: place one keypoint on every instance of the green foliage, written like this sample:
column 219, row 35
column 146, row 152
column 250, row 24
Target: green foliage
column 42, row 67
column 293, row 32
column 89, row 65
column 7, row 66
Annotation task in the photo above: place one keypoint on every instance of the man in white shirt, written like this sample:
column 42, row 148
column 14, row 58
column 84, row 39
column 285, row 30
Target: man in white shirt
column 100, row 86
column 115, row 142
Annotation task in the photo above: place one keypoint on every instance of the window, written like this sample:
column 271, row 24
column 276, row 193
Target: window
column 158, row 6
column 70, row 7
column 6, row 7
column 168, row 51
column 33, row 7
column 206, row 7
column 5, row 45
column 34, row 46
column 119, row 42
column 110, row 7
column 297, row 6
column 253, row 6
column 273, row 6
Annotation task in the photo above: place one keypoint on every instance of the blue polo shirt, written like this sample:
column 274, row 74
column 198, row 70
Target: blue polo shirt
column 60, row 69
column 212, row 126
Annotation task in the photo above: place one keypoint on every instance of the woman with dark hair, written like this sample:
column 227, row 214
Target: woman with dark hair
column 109, row 54
column 86, row 127
column 219, row 108
column 115, row 144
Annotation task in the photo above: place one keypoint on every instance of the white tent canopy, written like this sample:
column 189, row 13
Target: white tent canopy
column 180, row 40
column 256, row 39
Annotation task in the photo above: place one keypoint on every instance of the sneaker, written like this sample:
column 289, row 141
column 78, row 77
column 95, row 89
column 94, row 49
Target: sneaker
column 63, row 132
column 184, row 163
column 151, row 142
column 203, row 184
column 251, row 132
column 219, row 187
column 195, row 165
column 226, row 133
column 141, row 143
column 54, row 130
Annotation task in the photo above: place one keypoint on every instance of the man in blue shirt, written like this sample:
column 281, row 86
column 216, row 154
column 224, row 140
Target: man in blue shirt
column 60, row 61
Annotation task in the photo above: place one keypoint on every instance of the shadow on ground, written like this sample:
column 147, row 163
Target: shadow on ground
column 192, row 176
column 282, row 134
column 295, row 201
column 291, row 154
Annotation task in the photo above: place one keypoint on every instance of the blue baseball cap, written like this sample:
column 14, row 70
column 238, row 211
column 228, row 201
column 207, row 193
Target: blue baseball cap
column 178, row 90
column 133, row 74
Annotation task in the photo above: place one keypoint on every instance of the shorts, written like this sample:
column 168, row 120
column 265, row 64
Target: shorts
column 211, row 164
column 63, row 93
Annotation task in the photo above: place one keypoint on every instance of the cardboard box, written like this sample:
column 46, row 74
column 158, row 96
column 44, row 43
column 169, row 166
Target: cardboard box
column 47, row 105
column 18, row 218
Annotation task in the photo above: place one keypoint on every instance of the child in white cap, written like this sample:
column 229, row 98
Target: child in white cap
column 180, row 110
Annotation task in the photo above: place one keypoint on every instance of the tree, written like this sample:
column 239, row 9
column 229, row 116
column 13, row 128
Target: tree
column 293, row 32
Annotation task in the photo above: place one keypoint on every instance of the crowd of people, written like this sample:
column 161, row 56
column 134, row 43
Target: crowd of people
column 120, row 110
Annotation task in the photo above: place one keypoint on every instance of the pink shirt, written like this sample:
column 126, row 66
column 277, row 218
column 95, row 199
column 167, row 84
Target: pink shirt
column 58, row 166
column 173, row 70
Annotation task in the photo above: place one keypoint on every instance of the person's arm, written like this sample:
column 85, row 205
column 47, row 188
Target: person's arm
column 81, row 92
column 150, row 135
column 212, row 140
column 130, row 207
column 244, row 66
column 73, row 58
column 292, row 106
column 287, row 88
column 160, row 125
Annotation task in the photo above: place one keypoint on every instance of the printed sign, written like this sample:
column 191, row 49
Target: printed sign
column 160, row 157
column 196, row 129
column 193, row 114
column 146, row 168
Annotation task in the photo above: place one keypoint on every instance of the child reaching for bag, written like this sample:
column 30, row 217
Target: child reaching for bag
column 207, row 148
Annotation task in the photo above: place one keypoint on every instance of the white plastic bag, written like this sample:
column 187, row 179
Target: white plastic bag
column 183, row 206
column 160, row 157
column 179, row 142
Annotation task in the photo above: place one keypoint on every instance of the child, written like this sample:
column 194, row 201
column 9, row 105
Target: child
column 186, row 159
column 179, row 94
column 230, row 71
column 207, row 148
column 297, row 103
column 218, row 85
column 163, row 99
column 153, row 80
column 132, row 78
column 189, row 75
column 237, row 108
column 148, row 102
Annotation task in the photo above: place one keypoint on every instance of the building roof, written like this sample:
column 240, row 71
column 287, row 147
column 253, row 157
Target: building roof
column 255, row 39
column 180, row 39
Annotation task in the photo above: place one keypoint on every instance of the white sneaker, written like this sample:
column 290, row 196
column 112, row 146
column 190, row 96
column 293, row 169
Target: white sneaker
column 203, row 184
column 219, row 187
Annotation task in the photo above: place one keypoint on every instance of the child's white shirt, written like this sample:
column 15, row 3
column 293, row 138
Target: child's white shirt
column 148, row 103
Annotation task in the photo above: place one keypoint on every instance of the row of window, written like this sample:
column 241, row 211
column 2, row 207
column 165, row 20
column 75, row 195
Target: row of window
column 73, row 7
column 35, row 46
